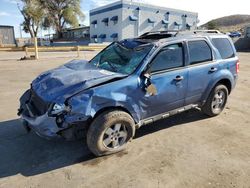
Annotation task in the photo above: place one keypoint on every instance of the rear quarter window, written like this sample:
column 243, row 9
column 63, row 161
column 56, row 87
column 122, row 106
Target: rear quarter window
column 224, row 47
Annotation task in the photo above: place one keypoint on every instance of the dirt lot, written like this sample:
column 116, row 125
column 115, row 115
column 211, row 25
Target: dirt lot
column 188, row 150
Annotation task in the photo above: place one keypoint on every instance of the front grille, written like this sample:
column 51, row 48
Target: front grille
column 37, row 105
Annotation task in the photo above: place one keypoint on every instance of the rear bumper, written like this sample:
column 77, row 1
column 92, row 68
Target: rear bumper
column 235, row 80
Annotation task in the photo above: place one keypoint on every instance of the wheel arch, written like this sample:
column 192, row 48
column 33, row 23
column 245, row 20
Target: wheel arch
column 109, row 108
column 225, row 81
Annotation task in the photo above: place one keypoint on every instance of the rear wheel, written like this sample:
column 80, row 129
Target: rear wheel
column 216, row 101
column 109, row 132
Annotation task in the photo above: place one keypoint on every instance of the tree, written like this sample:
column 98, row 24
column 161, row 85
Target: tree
column 211, row 25
column 60, row 13
column 33, row 15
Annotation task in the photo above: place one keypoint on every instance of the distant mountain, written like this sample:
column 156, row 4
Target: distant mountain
column 229, row 23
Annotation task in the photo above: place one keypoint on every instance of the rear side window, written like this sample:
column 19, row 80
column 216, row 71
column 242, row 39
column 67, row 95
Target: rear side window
column 224, row 46
column 168, row 58
column 199, row 51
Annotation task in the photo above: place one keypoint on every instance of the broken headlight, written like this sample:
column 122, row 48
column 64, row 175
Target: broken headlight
column 59, row 109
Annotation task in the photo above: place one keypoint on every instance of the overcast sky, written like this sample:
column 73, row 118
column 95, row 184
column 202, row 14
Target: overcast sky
column 207, row 10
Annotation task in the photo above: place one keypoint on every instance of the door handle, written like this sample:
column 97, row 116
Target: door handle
column 178, row 78
column 213, row 69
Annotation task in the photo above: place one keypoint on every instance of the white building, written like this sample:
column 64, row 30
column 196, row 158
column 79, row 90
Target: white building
column 127, row 19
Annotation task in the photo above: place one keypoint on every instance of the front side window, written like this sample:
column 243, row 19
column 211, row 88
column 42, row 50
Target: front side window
column 120, row 58
column 199, row 51
column 168, row 58
column 224, row 47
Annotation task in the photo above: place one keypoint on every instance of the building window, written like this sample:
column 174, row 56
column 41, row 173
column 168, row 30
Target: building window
column 184, row 22
column 167, row 16
column 94, row 23
column 106, row 21
column 102, row 37
column 177, row 25
column 166, row 26
column 133, row 18
column 114, row 19
column 188, row 26
column 151, row 21
column 165, row 23
column 114, row 36
column 94, row 37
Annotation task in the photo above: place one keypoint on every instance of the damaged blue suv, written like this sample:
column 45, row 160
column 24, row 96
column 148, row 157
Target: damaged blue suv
column 131, row 83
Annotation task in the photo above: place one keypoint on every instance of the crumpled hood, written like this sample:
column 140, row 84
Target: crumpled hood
column 58, row 84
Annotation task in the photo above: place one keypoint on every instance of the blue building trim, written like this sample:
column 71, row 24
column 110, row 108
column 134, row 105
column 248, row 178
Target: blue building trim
column 106, row 9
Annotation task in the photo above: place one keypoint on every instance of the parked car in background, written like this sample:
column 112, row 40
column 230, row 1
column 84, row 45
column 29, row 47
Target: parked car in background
column 234, row 34
column 132, row 83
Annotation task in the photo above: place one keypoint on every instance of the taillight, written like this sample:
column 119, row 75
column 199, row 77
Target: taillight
column 238, row 66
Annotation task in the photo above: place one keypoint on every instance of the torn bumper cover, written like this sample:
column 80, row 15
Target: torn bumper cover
column 44, row 125
column 34, row 115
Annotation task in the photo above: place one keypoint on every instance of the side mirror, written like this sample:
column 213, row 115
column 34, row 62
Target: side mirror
column 147, row 79
column 148, row 86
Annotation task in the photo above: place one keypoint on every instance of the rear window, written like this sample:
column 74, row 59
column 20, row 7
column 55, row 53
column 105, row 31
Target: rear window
column 224, row 47
column 199, row 51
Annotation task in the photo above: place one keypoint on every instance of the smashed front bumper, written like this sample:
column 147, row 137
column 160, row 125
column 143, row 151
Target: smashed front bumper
column 34, row 115
column 44, row 125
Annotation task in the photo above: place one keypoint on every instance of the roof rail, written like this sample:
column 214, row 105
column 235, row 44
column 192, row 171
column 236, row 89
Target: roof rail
column 199, row 31
column 206, row 31
column 156, row 35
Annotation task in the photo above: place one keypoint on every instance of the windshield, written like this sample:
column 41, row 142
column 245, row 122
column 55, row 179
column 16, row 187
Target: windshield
column 121, row 59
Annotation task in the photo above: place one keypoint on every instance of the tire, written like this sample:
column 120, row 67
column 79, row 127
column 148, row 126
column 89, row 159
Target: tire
column 110, row 132
column 216, row 101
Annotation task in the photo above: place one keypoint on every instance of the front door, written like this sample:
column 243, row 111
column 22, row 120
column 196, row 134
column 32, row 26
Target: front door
column 169, row 77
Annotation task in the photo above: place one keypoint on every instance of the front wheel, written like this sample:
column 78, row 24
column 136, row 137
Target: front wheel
column 216, row 101
column 109, row 132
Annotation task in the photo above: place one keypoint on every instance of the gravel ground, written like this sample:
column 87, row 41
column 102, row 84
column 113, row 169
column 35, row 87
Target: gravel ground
column 188, row 150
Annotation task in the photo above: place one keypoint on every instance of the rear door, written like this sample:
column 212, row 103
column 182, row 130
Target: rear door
column 201, row 68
